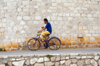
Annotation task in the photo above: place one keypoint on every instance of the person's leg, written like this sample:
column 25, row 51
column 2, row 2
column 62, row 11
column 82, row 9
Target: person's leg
column 44, row 35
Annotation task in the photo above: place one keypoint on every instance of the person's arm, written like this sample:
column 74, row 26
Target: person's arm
column 42, row 29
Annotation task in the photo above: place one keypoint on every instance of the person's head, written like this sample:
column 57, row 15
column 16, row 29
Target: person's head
column 45, row 20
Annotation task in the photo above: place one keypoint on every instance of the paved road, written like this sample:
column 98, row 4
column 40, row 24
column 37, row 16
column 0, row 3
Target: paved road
column 61, row 51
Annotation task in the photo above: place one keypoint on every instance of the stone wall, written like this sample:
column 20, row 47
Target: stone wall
column 70, row 19
column 79, row 59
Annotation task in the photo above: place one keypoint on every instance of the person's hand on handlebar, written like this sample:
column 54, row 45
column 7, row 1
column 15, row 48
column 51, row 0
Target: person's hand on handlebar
column 40, row 31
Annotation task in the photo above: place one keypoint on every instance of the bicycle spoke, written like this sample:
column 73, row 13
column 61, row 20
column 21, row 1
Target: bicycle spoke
column 54, row 44
column 33, row 44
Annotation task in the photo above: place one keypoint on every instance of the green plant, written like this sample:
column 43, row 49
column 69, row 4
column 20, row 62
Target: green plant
column 49, row 56
column 0, row 49
column 4, row 49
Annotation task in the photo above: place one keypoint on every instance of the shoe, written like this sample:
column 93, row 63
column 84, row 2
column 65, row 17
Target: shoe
column 46, row 46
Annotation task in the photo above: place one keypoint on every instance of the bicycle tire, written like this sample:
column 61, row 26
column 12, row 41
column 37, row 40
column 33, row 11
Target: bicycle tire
column 54, row 38
column 35, row 41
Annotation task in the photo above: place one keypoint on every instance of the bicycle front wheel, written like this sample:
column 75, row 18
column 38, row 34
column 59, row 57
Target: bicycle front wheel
column 54, row 43
column 33, row 44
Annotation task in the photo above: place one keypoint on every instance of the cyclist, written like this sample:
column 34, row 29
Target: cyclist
column 49, row 30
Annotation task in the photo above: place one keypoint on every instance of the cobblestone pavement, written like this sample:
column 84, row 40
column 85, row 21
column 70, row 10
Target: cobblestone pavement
column 61, row 51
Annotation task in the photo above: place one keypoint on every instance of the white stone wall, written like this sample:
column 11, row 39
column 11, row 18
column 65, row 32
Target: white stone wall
column 21, row 19
column 74, row 59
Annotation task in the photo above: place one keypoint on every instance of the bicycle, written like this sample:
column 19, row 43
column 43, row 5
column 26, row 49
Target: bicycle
column 54, row 43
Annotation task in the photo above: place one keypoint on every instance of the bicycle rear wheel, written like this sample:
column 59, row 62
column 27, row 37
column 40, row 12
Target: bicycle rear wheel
column 54, row 43
column 33, row 44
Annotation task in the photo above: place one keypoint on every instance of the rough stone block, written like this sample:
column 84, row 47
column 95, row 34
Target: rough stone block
column 27, row 62
column 40, row 60
column 33, row 60
column 66, row 4
column 22, row 23
column 94, row 63
column 25, row 2
column 87, row 61
column 53, row 58
column 95, row 28
column 68, row 62
column 99, row 62
column 9, row 63
column 14, row 45
column 70, row 18
column 88, row 35
column 57, row 58
column 80, row 63
column 37, row 17
column 19, row 18
column 57, row 64
column 19, row 9
column 46, row 59
column 73, row 65
column 39, row 64
column 26, row 17
column 62, row 62
column 89, row 15
column 2, row 64
column 18, row 63
column 96, row 57
column 2, row 29
column 49, row 63
column 86, row 38
column 67, row 57
column 74, row 61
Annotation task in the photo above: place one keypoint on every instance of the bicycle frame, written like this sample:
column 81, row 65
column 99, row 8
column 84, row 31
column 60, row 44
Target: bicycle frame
column 38, row 37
